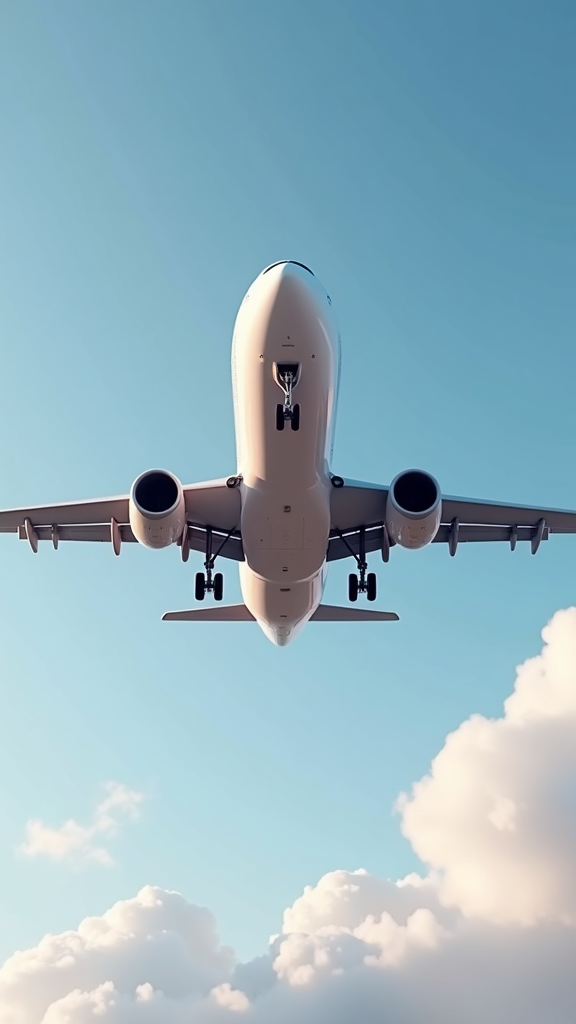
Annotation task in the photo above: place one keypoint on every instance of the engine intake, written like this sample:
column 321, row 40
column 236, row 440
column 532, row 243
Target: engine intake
column 413, row 509
column 157, row 510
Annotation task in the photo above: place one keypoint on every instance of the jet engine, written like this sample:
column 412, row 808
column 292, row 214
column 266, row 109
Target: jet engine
column 413, row 509
column 157, row 512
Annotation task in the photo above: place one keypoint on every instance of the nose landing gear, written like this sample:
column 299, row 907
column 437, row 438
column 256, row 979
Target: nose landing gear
column 286, row 376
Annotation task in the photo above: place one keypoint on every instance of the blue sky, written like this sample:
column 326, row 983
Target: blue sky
column 155, row 157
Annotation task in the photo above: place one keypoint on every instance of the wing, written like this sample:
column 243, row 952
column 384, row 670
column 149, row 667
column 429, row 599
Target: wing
column 358, row 506
column 210, row 505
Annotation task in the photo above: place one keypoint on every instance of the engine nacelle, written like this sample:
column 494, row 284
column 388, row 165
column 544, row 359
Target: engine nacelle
column 157, row 512
column 413, row 509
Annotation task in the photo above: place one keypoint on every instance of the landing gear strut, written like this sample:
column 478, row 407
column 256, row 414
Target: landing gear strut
column 362, row 582
column 205, row 582
column 286, row 376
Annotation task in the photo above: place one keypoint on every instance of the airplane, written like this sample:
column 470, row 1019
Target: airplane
column 284, row 515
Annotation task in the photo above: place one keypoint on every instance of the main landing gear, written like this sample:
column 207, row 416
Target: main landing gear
column 286, row 376
column 205, row 582
column 362, row 582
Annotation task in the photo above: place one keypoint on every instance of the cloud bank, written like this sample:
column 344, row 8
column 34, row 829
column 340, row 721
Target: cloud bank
column 488, row 935
column 72, row 841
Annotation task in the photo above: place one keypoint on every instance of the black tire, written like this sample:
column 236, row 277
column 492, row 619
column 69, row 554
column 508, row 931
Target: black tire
column 218, row 586
column 371, row 586
column 352, row 587
column 279, row 417
column 296, row 418
column 199, row 587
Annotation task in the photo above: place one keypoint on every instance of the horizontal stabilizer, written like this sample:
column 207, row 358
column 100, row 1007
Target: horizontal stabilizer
column 338, row 613
column 240, row 613
column 216, row 613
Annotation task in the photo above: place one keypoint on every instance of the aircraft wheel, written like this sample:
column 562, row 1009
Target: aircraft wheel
column 218, row 586
column 352, row 587
column 279, row 417
column 371, row 586
column 199, row 586
column 296, row 418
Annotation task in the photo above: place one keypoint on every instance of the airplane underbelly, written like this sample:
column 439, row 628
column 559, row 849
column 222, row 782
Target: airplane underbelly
column 288, row 455
column 285, row 328
column 283, row 463
column 285, row 530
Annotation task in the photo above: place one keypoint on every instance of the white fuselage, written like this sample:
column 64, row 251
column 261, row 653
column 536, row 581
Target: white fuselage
column 285, row 317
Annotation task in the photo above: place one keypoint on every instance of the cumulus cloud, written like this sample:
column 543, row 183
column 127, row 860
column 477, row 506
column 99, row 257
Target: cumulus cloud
column 152, row 950
column 496, row 816
column 74, row 841
column 474, row 940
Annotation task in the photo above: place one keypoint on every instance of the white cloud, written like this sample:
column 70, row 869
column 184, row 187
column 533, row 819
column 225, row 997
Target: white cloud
column 488, row 935
column 74, row 841
column 231, row 998
column 496, row 816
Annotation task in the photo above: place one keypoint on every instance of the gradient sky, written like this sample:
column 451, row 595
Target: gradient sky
column 421, row 158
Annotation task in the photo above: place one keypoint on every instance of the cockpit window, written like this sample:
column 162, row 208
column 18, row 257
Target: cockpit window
column 282, row 262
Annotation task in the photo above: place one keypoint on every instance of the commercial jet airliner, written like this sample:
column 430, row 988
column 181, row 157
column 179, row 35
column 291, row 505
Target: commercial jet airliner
column 284, row 515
